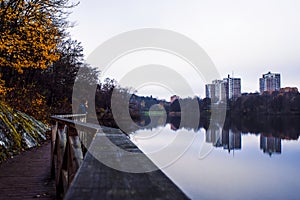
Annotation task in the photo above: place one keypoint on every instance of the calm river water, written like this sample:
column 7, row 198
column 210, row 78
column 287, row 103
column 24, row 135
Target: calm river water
column 219, row 163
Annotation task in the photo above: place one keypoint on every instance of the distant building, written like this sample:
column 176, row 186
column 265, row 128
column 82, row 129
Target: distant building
column 221, row 90
column 289, row 90
column 269, row 82
column 216, row 91
column 210, row 91
column 270, row 144
column 234, row 87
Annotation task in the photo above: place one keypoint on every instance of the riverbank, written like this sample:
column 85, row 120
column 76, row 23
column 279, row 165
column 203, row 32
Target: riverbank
column 18, row 132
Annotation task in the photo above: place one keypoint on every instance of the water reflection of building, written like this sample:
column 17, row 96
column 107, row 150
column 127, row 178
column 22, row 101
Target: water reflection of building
column 214, row 136
column 227, row 139
column 270, row 144
column 232, row 140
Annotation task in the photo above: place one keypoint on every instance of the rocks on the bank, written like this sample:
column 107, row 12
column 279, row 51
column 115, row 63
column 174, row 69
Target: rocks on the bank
column 18, row 132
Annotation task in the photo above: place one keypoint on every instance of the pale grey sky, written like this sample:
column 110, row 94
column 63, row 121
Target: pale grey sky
column 246, row 37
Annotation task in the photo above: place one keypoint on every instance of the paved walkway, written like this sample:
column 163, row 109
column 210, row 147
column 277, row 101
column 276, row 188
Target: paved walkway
column 27, row 176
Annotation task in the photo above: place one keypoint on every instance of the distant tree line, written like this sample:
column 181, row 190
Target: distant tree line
column 276, row 103
column 186, row 103
column 267, row 104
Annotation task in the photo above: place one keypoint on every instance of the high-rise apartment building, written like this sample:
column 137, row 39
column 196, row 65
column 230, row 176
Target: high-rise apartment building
column 220, row 90
column 234, row 87
column 210, row 91
column 269, row 82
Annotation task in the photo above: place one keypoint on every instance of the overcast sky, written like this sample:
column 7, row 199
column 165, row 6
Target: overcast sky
column 248, row 38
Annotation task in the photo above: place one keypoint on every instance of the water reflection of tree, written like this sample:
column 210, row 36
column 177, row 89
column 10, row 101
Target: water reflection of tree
column 271, row 129
column 286, row 127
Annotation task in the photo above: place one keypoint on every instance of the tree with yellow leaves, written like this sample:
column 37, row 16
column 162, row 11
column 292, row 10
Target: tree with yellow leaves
column 31, row 35
column 30, row 31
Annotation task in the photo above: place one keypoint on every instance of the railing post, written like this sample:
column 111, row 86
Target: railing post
column 60, row 146
column 53, row 153
column 66, row 151
column 75, row 155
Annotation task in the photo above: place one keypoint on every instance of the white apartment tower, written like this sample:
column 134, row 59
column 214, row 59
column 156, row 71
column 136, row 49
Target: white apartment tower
column 220, row 90
column 269, row 82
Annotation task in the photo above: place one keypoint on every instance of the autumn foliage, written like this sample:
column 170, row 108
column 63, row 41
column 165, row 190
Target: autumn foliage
column 32, row 33
column 29, row 34
column 29, row 101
